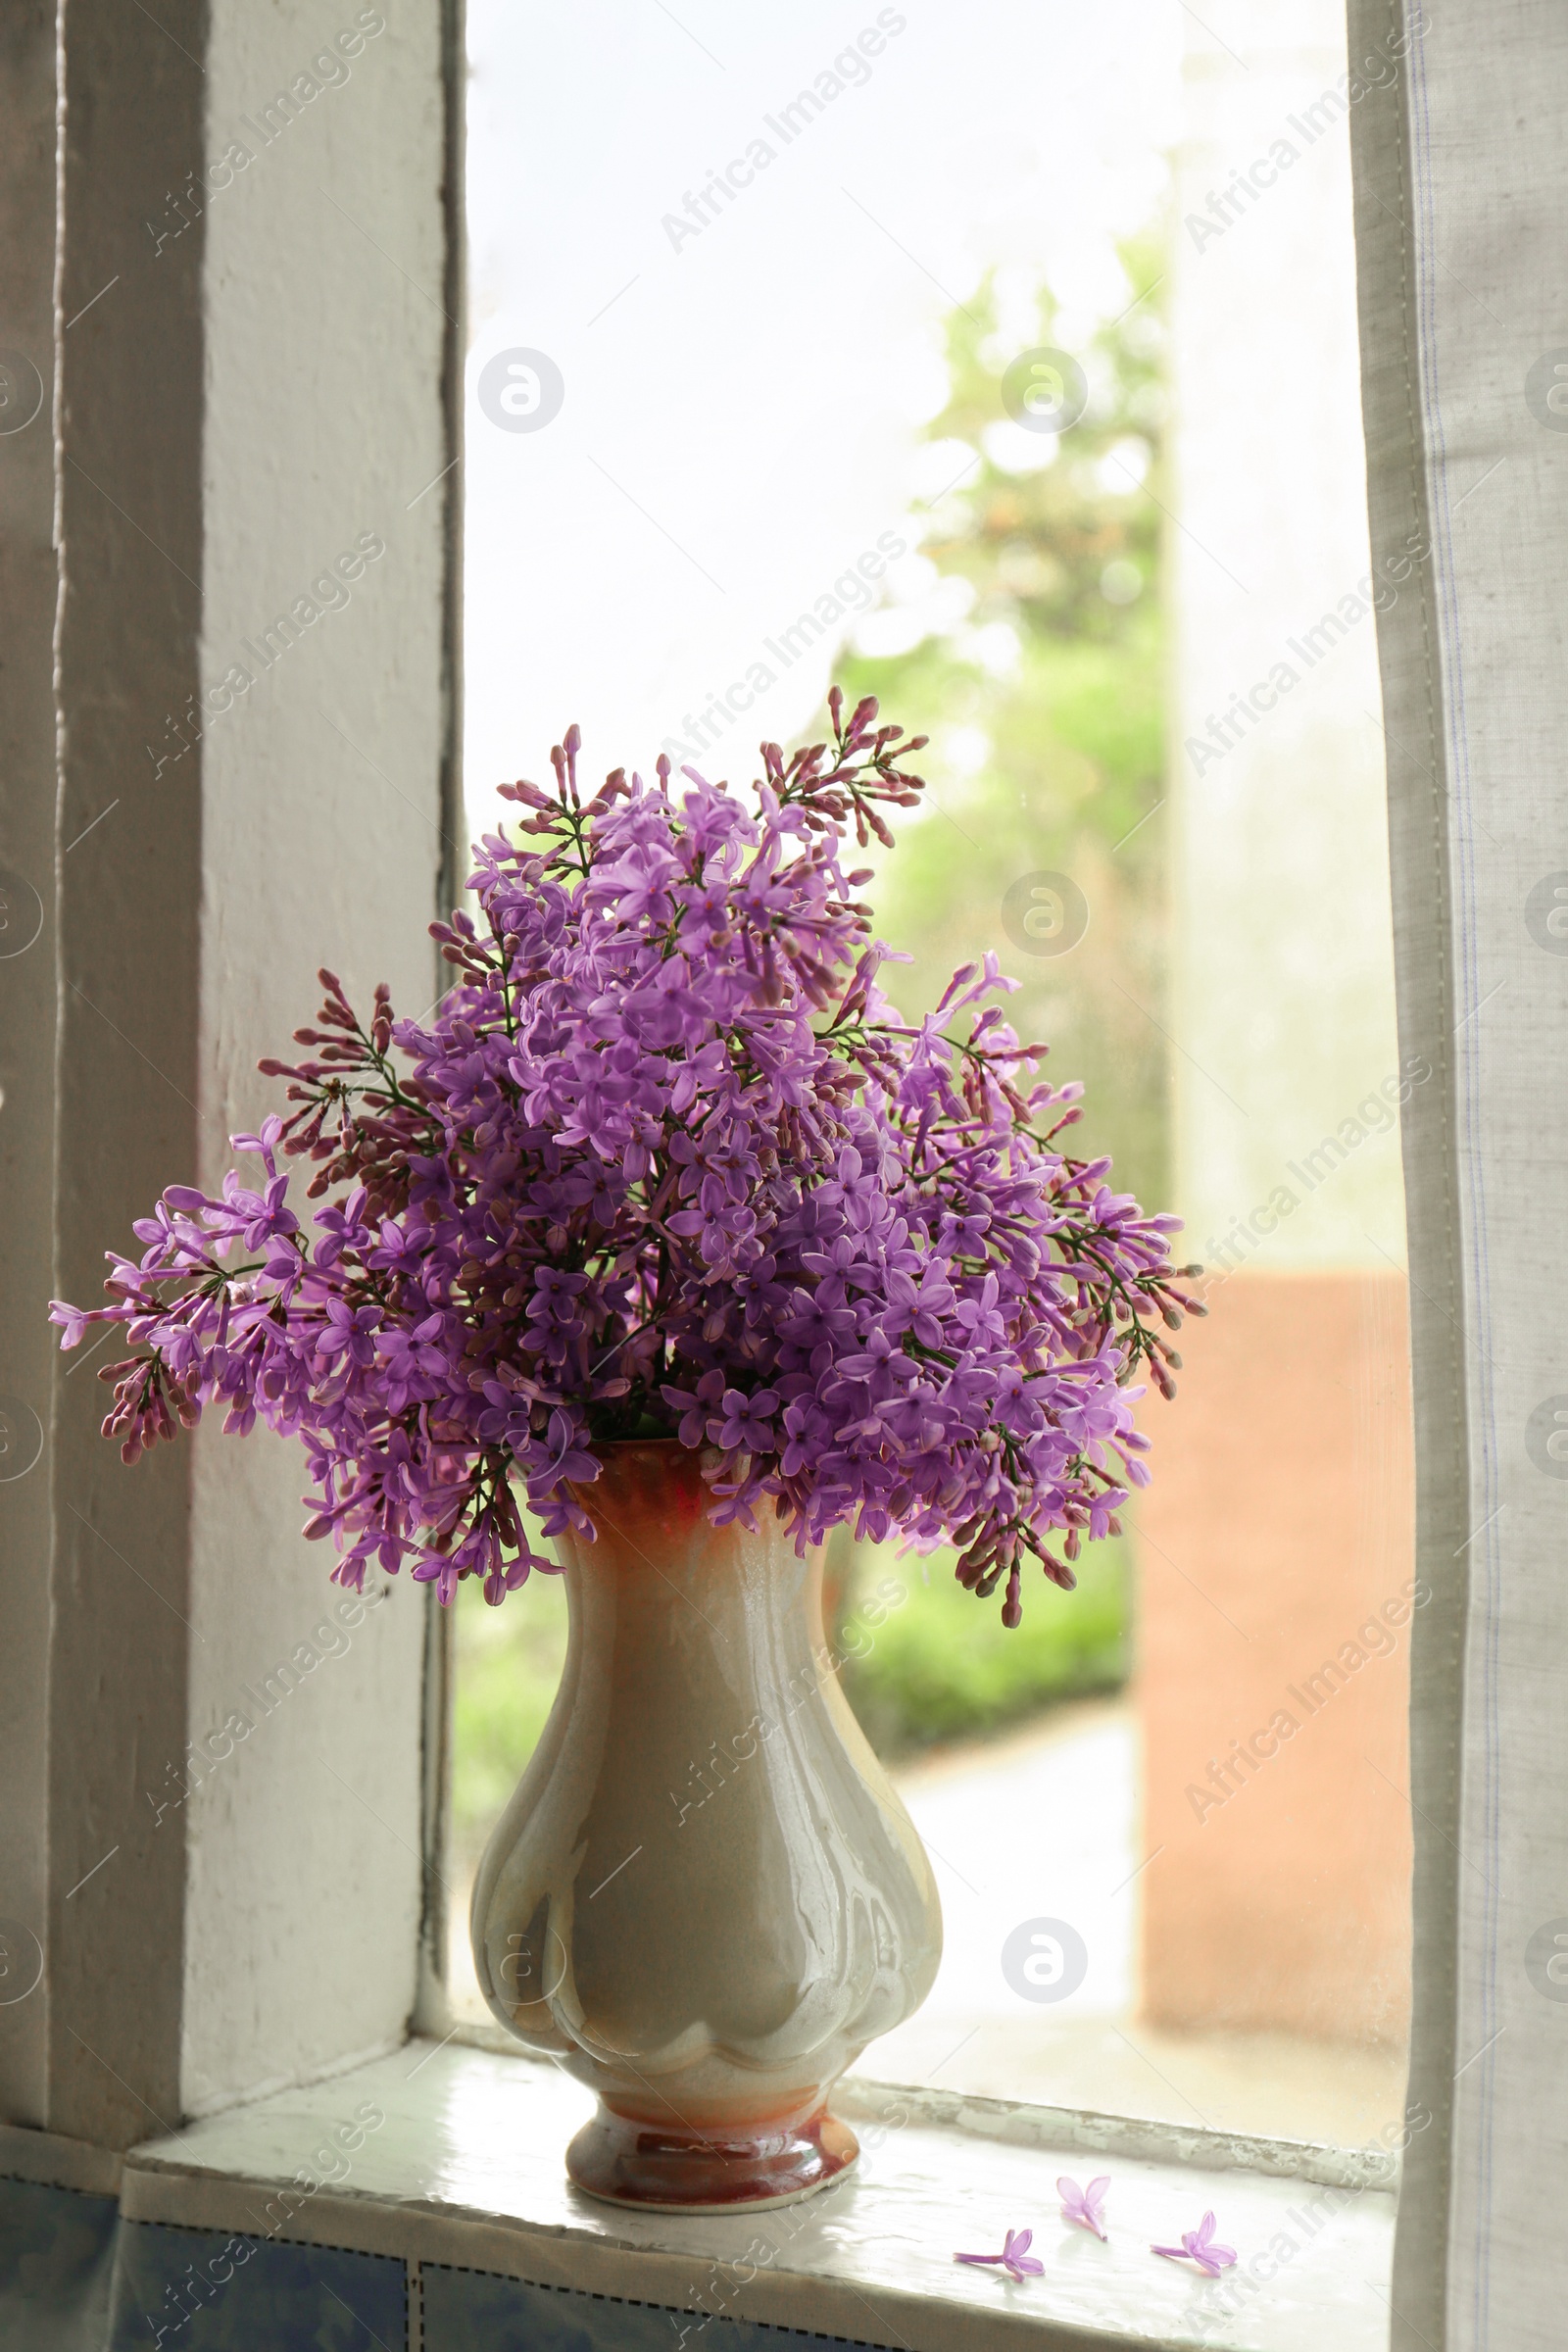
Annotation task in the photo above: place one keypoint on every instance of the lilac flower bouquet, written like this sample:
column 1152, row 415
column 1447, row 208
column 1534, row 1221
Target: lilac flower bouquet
column 666, row 1163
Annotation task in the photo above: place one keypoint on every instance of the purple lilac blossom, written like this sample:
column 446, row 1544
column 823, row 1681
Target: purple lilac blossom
column 1016, row 2258
column 1199, row 2245
column 665, row 1163
column 1084, row 2206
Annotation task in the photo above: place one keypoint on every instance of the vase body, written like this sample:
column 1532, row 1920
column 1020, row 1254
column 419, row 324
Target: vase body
column 703, row 1897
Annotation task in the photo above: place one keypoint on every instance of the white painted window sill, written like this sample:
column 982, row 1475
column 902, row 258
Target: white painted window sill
column 465, row 2171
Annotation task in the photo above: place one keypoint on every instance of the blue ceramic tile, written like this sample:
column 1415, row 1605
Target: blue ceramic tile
column 73, row 2278
column 199, row 2291
column 475, row 2311
column 55, row 2249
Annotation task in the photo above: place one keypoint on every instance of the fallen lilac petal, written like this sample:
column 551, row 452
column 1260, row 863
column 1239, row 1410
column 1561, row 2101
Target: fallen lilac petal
column 1199, row 2246
column 1084, row 2206
column 1016, row 2258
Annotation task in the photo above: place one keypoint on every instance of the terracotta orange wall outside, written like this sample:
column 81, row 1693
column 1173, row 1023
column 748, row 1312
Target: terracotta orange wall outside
column 1279, row 1526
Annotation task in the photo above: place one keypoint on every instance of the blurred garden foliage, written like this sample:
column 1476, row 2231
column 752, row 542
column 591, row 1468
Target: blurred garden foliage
column 942, row 1666
column 1025, row 638
column 507, row 1666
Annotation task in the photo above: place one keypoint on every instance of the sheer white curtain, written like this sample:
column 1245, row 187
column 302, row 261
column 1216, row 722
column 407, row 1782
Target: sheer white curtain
column 1461, row 177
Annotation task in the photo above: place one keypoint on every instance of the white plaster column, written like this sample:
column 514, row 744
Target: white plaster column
column 27, row 1016
column 256, row 490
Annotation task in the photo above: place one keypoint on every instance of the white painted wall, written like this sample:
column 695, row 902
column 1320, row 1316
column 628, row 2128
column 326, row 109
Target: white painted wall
column 324, row 277
column 27, row 989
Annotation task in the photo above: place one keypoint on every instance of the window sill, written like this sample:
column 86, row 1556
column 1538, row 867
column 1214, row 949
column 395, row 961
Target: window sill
column 465, row 2173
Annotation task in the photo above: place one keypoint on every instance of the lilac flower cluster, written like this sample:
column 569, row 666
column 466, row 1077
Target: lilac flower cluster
column 666, row 1162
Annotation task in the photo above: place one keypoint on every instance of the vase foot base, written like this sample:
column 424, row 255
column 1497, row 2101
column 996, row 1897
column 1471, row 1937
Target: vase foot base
column 623, row 2162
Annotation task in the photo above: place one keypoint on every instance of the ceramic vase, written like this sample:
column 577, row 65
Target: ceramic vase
column 703, row 1897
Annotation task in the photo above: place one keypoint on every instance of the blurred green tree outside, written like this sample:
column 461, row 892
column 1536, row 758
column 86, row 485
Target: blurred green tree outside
column 1045, row 706
column 1044, row 698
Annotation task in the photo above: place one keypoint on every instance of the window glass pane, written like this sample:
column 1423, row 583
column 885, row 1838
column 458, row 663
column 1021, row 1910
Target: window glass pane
column 1001, row 363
